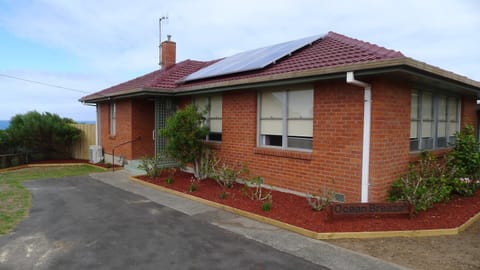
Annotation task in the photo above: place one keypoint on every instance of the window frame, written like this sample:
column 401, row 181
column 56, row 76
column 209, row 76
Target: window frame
column 208, row 117
column 285, row 119
column 113, row 118
column 436, row 96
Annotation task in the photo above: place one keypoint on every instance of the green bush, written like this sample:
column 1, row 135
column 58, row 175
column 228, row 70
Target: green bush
column 169, row 180
column 44, row 133
column 464, row 159
column 151, row 165
column 267, row 206
column 464, row 186
column 185, row 132
column 425, row 183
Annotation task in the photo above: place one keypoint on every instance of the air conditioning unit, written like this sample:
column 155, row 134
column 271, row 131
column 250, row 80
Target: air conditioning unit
column 95, row 153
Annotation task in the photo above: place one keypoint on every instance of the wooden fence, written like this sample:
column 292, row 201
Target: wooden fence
column 80, row 149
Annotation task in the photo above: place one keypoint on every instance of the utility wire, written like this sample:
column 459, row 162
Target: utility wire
column 43, row 83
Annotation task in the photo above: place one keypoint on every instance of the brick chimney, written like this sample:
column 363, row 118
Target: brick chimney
column 168, row 53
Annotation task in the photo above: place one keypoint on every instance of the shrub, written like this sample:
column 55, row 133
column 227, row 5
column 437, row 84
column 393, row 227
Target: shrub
column 151, row 166
column 185, row 132
column 44, row 133
column 425, row 183
column 226, row 176
column 320, row 201
column 464, row 159
column 464, row 186
column 465, row 156
column 193, row 185
column 267, row 206
column 223, row 195
column 169, row 180
column 253, row 189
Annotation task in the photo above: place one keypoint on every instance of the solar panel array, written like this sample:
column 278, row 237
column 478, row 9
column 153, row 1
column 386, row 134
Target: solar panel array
column 251, row 60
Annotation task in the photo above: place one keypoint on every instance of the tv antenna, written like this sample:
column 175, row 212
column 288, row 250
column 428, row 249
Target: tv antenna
column 163, row 18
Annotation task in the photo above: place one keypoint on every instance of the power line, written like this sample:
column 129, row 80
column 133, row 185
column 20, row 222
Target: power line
column 43, row 83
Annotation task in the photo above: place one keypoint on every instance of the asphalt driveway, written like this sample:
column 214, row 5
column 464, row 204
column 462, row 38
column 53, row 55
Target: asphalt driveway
column 81, row 223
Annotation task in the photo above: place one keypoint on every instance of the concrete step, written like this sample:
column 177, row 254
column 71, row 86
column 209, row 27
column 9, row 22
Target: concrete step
column 132, row 167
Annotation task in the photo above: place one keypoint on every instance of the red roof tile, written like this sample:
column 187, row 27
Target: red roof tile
column 163, row 79
column 331, row 50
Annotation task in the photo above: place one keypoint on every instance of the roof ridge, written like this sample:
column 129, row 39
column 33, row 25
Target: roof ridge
column 371, row 47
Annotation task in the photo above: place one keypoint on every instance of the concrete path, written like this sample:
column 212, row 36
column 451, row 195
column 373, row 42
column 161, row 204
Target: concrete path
column 318, row 252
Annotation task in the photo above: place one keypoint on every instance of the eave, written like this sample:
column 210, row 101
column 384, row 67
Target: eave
column 414, row 69
column 403, row 65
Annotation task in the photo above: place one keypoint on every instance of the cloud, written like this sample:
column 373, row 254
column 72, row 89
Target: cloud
column 123, row 35
column 115, row 41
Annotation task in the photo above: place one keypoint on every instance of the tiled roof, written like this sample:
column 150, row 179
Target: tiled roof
column 331, row 50
column 163, row 79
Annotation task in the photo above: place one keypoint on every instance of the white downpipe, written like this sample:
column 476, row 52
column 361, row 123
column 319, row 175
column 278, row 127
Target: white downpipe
column 367, row 109
column 97, row 125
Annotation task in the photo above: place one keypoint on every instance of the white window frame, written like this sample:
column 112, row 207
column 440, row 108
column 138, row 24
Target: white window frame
column 113, row 119
column 212, row 136
column 261, row 139
column 435, row 104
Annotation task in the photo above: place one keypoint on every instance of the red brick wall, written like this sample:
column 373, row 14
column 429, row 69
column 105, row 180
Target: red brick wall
column 143, row 126
column 337, row 133
column 338, row 138
column 182, row 102
column 390, row 133
column 123, row 128
column 337, row 146
column 469, row 111
column 135, row 118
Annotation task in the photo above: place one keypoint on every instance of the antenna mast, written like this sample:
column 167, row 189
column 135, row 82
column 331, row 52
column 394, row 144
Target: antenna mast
column 160, row 39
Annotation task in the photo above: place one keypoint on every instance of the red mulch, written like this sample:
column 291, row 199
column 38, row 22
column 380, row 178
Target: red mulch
column 295, row 210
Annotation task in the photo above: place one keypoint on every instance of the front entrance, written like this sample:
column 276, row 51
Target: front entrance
column 164, row 108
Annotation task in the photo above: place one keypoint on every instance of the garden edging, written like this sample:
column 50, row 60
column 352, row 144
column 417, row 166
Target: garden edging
column 48, row 165
column 312, row 234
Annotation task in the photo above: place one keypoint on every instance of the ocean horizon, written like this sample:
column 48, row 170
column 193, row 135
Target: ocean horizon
column 5, row 123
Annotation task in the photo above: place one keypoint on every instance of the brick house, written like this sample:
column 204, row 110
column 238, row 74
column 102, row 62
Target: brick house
column 317, row 109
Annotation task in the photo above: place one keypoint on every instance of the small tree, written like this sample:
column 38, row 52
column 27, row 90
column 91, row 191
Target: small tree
column 185, row 133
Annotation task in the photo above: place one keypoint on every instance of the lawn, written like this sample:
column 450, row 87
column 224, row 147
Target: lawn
column 15, row 200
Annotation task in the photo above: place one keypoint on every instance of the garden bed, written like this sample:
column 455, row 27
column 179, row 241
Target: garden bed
column 294, row 210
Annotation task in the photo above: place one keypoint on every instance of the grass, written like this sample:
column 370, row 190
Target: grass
column 15, row 200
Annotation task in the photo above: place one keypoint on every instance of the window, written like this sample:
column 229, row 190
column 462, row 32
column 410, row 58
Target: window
column 113, row 118
column 434, row 119
column 286, row 119
column 212, row 106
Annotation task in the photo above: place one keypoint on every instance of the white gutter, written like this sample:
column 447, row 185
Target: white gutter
column 367, row 108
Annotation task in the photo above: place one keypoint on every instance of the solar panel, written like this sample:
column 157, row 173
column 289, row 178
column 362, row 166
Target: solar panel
column 251, row 60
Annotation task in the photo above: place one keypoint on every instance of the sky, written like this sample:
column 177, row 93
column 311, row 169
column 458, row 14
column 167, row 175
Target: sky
column 84, row 46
